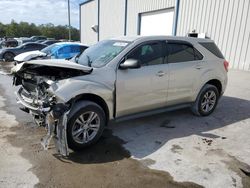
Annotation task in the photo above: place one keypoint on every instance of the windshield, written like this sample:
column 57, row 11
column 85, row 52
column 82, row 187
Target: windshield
column 50, row 49
column 101, row 53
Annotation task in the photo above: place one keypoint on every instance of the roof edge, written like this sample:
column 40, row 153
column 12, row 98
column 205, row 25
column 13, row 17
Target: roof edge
column 85, row 2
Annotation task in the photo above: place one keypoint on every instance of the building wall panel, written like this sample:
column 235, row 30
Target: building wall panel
column 139, row 6
column 227, row 22
column 89, row 17
column 112, row 17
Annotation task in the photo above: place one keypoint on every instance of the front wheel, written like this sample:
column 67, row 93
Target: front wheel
column 85, row 126
column 206, row 101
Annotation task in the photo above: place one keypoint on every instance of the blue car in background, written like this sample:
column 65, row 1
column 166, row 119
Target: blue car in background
column 61, row 50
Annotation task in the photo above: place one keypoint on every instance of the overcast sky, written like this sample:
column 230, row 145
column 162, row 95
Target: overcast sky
column 40, row 11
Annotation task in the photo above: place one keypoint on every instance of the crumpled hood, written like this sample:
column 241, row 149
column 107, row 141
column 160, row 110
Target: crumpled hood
column 59, row 63
column 26, row 56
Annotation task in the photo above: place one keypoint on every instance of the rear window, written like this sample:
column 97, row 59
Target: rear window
column 178, row 52
column 210, row 46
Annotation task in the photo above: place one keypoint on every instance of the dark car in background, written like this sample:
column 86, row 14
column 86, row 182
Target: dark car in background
column 9, row 42
column 8, row 54
column 40, row 41
column 34, row 39
column 49, row 42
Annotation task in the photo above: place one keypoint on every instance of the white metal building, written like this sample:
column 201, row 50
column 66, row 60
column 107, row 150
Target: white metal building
column 227, row 22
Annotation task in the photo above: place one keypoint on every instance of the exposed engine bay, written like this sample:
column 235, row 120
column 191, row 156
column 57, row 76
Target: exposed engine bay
column 37, row 98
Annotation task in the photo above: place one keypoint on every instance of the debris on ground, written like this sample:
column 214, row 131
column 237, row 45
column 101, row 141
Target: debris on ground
column 207, row 141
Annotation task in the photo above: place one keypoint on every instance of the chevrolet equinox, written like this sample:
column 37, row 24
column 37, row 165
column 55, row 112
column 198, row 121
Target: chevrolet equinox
column 117, row 79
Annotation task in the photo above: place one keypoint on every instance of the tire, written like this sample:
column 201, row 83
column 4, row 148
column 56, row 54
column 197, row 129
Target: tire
column 206, row 101
column 8, row 56
column 80, row 132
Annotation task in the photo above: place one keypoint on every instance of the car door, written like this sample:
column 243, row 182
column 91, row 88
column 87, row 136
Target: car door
column 185, row 64
column 144, row 88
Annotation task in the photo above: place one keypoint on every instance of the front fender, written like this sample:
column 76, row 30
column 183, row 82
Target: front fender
column 66, row 90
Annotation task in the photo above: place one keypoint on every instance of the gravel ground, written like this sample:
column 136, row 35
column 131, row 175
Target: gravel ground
column 174, row 149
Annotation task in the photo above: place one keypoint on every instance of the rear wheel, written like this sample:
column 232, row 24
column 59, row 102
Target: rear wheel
column 85, row 125
column 206, row 101
column 8, row 56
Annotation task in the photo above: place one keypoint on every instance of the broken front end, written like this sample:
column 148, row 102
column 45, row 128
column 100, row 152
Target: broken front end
column 37, row 85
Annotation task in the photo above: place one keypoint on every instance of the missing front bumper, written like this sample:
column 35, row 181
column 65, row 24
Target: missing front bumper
column 55, row 119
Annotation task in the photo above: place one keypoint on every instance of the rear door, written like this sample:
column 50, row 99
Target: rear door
column 185, row 66
column 144, row 88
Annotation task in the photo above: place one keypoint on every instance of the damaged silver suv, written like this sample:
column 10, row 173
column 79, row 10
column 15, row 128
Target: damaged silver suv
column 118, row 79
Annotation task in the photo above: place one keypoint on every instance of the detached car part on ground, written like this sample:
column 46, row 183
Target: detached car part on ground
column 61, row 50
column 118, row 79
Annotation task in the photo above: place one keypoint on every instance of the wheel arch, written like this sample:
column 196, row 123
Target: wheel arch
column 10, row 53
column 96, row 99
column 217, row 83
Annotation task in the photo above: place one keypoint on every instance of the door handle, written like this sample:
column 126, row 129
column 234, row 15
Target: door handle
column 198, row 67
column 160, row 73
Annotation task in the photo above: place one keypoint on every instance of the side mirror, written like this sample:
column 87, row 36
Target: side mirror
column 130, row 64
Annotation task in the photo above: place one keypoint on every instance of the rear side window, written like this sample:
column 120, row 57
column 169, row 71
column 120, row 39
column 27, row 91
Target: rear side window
column 178, row 52
column 64, row 50
column 75, row 49
column 31, row 46
column 210, row 46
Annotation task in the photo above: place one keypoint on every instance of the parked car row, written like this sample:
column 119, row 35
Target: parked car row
column 32, row 50
column 14, row 42
column 117, row 79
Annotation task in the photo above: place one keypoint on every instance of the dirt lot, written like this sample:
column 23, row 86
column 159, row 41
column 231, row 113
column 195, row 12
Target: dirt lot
column 173, row 149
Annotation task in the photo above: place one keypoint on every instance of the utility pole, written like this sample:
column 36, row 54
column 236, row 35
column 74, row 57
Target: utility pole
column 69, row 20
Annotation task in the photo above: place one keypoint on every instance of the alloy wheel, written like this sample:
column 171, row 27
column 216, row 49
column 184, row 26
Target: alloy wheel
column 85, row 127
column 208, row 101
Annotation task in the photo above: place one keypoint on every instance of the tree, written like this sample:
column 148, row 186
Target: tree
column 25, row 29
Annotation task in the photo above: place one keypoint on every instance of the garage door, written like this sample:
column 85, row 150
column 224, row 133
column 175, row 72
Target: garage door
column 157, row 22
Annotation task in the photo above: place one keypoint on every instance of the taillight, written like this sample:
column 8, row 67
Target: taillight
column 226, row 65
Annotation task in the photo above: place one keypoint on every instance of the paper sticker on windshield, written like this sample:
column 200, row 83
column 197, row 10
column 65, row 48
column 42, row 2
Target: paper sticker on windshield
column 122, row 44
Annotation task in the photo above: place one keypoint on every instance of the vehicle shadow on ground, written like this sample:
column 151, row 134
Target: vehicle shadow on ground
column 107, row 149
column 146, row 135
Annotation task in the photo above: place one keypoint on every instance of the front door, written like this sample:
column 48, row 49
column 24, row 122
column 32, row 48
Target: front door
column 145, row 88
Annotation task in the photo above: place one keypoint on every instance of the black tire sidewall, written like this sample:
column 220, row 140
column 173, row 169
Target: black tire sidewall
column 207, row 88
column 8, row 53
column 90, row 107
